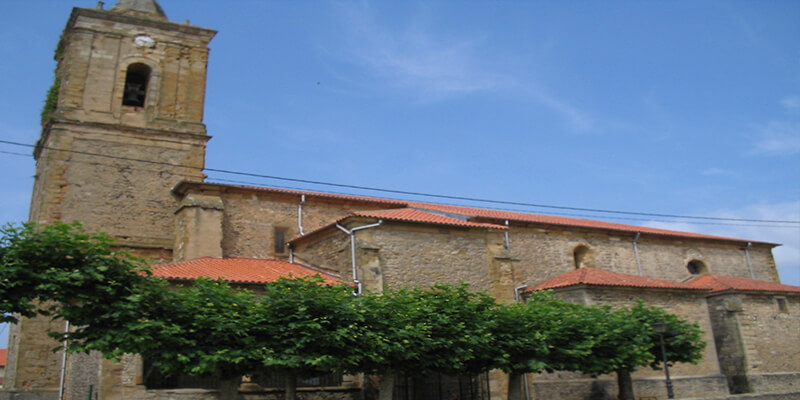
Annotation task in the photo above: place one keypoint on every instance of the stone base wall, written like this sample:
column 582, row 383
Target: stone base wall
column 28, row 394
column 648, row 388
column 777, row 382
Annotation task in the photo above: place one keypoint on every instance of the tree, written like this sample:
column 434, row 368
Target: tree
column 307, row 328
column 46, row 268
column 416, row 331
column 543, row 334
column 203, row 328
column 625, row 340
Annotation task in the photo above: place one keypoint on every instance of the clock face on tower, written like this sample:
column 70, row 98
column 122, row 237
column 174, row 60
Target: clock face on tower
column 144, row 41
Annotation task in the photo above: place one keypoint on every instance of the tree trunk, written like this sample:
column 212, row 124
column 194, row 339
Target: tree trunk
column 515, row 390
column 625, row 384
column 229, row 388
column 291, row 386
column 387, row 385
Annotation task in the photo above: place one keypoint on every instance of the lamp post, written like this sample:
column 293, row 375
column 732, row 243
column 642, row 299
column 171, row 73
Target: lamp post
column 661, row 328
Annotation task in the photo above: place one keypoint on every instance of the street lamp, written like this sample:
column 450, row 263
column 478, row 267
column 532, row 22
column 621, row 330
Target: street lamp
column 661, row 328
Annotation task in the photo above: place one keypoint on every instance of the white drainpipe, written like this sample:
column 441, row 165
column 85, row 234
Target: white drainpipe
column 300, row 214
column 749, row 261
column 636, row 252
column 63, row 365
column 352, row 234
column 508, row 244
column 524, row 376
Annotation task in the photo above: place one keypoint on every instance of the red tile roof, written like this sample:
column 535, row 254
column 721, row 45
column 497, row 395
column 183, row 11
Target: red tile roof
column 237, row 269
column 3, row 354
column 555, row 220
column 480, row 213
column 718, row 283
column 414, row 215
column 598, row 277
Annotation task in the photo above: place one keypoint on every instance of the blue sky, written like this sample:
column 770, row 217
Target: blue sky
column 681, row 107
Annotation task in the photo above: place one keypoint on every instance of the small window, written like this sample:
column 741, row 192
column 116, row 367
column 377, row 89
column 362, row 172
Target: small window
column 279, row 238
column 136, row 85
column 581, row 255
column 696, row 267
column 783, row 305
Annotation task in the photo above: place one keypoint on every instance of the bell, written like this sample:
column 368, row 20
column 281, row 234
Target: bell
column 133, row 96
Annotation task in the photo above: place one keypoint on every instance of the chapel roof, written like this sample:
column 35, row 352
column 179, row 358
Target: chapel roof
column 140, row 8
column 493, row 217
column 720, row 283
column 599, row 277
column 238, row 270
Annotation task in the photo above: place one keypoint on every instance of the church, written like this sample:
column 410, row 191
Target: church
column 123, row 151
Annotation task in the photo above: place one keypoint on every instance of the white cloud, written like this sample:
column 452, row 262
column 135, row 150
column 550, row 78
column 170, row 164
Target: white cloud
column 432, row 66
column 780, row 136
column 787, row 256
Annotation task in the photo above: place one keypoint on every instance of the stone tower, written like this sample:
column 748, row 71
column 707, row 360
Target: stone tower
column 123, row 125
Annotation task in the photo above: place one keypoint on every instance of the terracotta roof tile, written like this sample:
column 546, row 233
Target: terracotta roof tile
column 556, row 220
column 483, row 213
column 237, row 269
column 414, row 215
column 3, row 354
column 598, row 277
column 718, row 283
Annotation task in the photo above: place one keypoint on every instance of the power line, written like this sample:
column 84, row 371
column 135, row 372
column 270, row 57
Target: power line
column 563, row 214
column 411, row 193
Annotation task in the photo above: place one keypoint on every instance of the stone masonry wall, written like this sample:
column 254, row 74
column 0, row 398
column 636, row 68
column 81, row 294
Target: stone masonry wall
column 543, row 253
column 703, row 379
column 422, row 255
column 251, row 217
column 761, row 341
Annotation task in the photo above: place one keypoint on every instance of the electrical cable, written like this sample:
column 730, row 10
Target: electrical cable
column 411, row 193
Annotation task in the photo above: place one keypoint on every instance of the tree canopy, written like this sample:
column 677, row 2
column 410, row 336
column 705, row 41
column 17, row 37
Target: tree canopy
column 301, row 327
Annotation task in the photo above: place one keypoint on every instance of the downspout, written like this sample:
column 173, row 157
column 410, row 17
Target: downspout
column 524, row 376
column 300, row 214
column 749, row 261
column 63, row 365
column 516, row 292
column 291, row 253
column 352, row 234
column 505, row 234
column 636, row 252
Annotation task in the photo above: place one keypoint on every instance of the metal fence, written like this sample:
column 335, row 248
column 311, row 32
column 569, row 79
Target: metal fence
column 443, row 387
column 154, row 379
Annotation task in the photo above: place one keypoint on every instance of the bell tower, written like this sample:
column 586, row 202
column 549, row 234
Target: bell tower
column 123, row 124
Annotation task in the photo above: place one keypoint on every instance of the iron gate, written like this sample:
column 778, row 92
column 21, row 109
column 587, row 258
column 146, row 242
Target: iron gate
column 443, row 387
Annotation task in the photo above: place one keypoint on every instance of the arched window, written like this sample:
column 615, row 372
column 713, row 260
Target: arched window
column 697, row 267
column 136, row 85
column 581, row 256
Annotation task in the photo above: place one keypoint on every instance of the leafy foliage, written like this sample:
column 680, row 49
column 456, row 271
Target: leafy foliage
column 444, row 328
column 307, row 328
column 300, row 327
column 44, row 269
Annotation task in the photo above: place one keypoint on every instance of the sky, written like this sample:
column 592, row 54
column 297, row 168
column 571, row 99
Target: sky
column 685, row 108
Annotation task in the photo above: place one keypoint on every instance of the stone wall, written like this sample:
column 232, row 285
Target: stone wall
column 702, row 379
column 759, row 344
column 251, row 217
column 544, row 252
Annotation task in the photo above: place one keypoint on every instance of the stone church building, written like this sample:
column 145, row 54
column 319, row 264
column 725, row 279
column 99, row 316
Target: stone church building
column 123, row 152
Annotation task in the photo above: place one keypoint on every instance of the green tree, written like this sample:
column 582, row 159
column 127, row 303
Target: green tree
column 307, row 328
column 543, row 334
column 44, row 269
column 625, row 340
column 416, row 331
